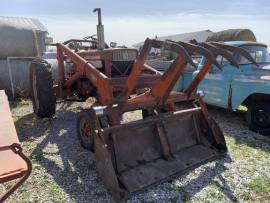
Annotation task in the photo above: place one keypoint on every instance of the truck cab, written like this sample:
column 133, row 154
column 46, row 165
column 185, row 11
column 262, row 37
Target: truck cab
column 248, row 85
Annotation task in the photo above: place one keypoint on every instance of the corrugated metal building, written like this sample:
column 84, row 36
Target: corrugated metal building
column 200, row 36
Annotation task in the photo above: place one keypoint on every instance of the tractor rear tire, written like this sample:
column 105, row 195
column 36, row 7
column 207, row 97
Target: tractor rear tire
column 258, row 118
column 41, row 89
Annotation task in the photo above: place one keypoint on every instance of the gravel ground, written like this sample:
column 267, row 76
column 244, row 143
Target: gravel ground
column 64, row 172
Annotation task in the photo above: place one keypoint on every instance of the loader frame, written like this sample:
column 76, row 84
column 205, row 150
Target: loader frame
column 115, row 96
column 160, row 85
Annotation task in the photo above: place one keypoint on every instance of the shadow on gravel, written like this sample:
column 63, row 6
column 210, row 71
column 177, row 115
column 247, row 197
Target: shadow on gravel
column 212, row 175
column 29, row 127
column 234, row 125
column 73, row 168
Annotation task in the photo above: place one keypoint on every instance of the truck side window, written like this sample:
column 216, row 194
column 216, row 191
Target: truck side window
column 259, row 53
column 222, row 61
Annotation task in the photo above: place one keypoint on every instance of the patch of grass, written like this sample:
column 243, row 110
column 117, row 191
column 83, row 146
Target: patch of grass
column 213, row 191
column 37, row 158
column 8, row 184
column 18, row 104
column 246, row 196
column 53, row 189
column 184, row 195
column 260, row 186
column 240, row 149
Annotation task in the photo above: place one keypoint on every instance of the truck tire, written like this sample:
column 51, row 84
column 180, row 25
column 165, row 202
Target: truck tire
column 258, row 117
column 41, row 89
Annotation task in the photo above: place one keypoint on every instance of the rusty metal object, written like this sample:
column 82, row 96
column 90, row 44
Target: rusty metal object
column 13, row 163
column 138, row 154
column 141, row 153
column 217, row 48
column 237, row 50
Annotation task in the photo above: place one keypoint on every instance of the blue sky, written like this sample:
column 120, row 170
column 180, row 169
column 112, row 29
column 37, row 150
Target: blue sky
column 128, row 22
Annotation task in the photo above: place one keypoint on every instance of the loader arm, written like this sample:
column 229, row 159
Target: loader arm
column 139, row 64
column 237, row 50
column 223, row 50
column 135, row 72
column 163, row 87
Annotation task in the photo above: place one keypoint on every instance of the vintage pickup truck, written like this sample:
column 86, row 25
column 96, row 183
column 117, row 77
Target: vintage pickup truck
column 248, row 85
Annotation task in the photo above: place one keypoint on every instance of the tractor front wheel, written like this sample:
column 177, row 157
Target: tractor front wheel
column 86, row 127
column 41, row 89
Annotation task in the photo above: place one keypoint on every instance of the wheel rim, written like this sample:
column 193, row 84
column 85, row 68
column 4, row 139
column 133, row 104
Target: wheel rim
column 85, row 130
column 261, row 118
column 35, row 93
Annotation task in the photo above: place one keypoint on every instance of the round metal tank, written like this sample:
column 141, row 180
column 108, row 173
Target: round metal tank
column 21, row 37
column 21, row 40
column 18, row 42
column 232, row 35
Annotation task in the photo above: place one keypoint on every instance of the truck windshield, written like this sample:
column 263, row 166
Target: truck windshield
column 259, row 53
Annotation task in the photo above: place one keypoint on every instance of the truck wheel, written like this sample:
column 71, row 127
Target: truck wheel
column 41, row 89
column 258, row 117
column 86, row 127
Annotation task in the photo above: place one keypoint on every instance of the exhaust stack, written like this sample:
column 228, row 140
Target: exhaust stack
column 100, row 30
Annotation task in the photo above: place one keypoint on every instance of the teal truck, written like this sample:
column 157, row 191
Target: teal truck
column 232, row 87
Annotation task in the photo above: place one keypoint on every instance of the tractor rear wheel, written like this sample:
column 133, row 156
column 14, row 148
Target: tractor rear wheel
column 41, row 89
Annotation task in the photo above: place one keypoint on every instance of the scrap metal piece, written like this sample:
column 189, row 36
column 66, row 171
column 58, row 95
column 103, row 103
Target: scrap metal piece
column 138, row 154
column 174, row 47
column 234, row 49
column 222, row 52
column 198, row 50
column 14, row 165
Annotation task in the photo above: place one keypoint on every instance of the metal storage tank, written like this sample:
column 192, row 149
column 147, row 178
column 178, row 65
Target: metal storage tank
column 21, row 40
column 232, row 35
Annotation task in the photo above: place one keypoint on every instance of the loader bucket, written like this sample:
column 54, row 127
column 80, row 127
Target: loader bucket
column 135, row 155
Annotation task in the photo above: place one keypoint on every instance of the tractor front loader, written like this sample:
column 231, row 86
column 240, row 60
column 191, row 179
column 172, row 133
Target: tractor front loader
column 165, row 142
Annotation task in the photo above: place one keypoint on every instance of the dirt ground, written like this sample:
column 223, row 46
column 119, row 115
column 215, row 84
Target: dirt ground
column 65, row 172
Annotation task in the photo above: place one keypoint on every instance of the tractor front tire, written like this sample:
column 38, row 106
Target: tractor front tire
column 86, row 126
column 41, row 89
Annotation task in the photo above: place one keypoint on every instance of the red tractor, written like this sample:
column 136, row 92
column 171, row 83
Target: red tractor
column 134, row 155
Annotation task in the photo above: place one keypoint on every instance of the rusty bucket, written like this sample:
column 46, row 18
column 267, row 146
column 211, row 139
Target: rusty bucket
column 135, row 155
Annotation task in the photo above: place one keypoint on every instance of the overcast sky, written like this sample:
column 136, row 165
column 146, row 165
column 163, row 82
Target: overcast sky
column 129, row 22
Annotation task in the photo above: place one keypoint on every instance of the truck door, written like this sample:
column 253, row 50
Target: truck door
column 216, row 84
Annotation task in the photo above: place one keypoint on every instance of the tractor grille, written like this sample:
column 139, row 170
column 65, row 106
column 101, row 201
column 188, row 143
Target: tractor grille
column 124, row 55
